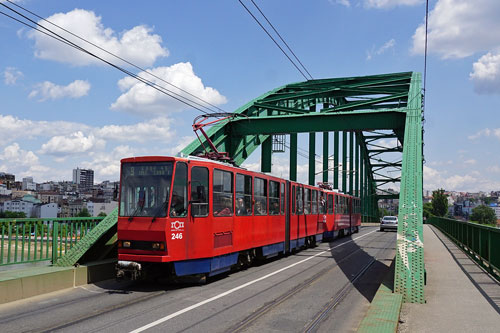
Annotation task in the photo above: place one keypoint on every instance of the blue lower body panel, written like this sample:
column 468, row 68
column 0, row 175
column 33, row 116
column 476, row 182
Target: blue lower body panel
column 330, row 234
column 269, row 250
column 212, row 266
column 319, row 238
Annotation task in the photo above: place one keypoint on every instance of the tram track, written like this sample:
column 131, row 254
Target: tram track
column 318, row 318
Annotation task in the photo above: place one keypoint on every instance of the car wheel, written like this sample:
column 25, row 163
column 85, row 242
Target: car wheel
column 381, row 229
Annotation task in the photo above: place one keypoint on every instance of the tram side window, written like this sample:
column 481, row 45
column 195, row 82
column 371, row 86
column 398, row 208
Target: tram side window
column 307, row 201
column 330, row 204
column 314, row 201
column 223, row 193
column 243, row 195
column 199, row 191
column 282, row 198
column 274, row 198
column 293, row 200
column 300, row 200
column 178, row 206
column 260, row 196
column 322, row 203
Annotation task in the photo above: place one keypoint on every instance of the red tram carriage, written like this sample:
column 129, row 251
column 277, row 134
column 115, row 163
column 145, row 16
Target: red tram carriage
column 188, row 216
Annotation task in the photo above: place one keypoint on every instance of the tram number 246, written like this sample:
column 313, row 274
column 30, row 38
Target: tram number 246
column 177, row 235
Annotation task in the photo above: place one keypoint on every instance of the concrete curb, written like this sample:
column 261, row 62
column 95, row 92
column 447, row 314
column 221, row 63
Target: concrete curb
column 384, row 310
column 20, row 284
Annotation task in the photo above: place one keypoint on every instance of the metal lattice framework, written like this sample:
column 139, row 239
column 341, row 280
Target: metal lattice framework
column 379, row 119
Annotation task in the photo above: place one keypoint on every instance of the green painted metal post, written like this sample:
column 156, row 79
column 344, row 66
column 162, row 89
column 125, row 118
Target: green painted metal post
column 351, row 162
column 55, row 237
column 356, row 167
column 325, row 156
column 361, row 186
column 409, row 270
column 266, row 156
column 293, row 157
column 336, row 139
column 344, row 162
column 312, row 157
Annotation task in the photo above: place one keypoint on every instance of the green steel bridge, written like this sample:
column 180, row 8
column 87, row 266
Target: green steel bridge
column 364, row 114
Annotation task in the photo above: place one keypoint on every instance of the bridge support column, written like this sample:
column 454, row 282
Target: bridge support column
column 344, row 162
column 293, row 157
column 356, row 167
column 336, row 139
column 266, row 154
column 312, row 157
column 325, row 157
column 351, row 162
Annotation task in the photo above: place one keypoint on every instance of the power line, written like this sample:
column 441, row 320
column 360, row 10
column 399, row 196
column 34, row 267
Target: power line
column 62, row 39
column 276, row 31
column 116, row 56
column 275, row 42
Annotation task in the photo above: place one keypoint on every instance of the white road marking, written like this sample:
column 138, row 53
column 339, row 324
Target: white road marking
column 197, row 305
column 91, row 291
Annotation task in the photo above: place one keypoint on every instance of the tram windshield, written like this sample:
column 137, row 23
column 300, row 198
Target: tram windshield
column 145, row 188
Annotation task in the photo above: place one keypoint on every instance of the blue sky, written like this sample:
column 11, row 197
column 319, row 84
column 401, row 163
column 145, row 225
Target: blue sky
column 60, row 109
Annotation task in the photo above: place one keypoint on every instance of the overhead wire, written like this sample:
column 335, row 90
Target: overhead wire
column 274, row 40
column 276, row 31
column 114, row 55
column 64, row 40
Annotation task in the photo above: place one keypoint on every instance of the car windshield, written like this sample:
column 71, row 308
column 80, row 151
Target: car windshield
column 145, row 187
column 390, row 218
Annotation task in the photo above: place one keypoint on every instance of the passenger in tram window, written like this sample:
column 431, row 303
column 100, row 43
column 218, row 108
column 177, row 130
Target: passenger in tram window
column 226, row 207
column 241, row 208
column 274, row 208
column 177, row 207
column 260, row 207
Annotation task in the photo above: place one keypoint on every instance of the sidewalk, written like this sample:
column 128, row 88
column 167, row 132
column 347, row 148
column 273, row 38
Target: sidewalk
column 460, row 296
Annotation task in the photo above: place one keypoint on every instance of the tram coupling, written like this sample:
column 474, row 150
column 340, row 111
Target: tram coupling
column 128, row 270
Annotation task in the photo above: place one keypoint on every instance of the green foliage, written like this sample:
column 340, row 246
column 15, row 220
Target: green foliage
column 10, row 215
column 102, row 214
column 483, row 215
column 439, row 203
column 428, row 210
column 84, row 213
column 488, row 200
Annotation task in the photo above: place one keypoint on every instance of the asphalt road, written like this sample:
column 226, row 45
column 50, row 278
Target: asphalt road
column 327, row 288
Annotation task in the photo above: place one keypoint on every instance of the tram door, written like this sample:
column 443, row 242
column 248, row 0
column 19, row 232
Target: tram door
column 287, row 217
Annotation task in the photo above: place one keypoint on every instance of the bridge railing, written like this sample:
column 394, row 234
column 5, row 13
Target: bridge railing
column 28, row 240
column 481, row 243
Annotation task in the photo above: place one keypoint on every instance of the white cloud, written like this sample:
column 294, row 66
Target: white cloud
column 486, row 133
column 48, row 90
column 460, row 28
column 391, row 3
column 158, row 129
column 494, row 169
column 341, row 2
column 15, row 155
column 434, row 179
column 138, row 45
column 486, row 74
column 381, row 50
column 13, row 128
column 106, row 165
column 140, row 98
column 75, row 143
column 11, row 75
column 470, row 161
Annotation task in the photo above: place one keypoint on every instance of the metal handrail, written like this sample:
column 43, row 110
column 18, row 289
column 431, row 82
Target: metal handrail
column 29, row 240
column 481, row 243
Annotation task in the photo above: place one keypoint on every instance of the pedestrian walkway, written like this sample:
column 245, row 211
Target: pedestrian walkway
column 460, row 296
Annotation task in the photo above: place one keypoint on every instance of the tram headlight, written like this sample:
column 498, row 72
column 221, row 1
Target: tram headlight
column 126, row 244
column 158, row 246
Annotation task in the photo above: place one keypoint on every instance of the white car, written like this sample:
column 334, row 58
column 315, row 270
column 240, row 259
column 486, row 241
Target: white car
column 389, row 222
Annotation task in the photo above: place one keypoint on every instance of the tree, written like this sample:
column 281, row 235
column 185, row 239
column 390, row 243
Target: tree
column 83, row 213
column 483, row 215
column 428, row 210
column 102, row 214
column 9, row 215
column 439, row 203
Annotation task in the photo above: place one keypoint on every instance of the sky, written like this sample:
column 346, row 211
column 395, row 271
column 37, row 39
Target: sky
column 61, row 109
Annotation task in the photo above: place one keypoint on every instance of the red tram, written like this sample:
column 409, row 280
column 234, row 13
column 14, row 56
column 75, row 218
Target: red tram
column 189, row 216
